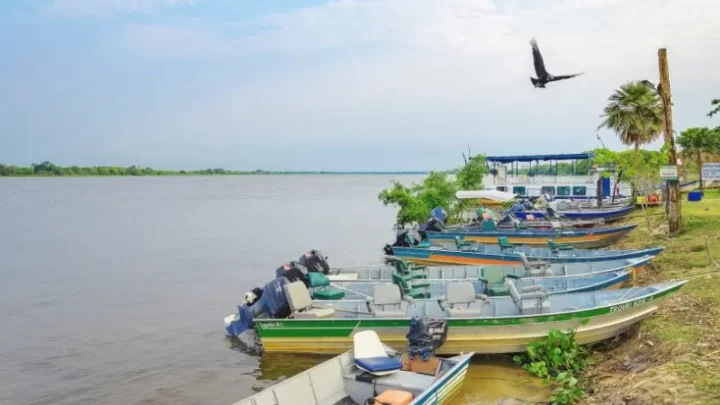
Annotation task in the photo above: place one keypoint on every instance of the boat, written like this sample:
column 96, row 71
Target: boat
column 487, row 197
column 580, row 182
column 495, row 254
column 491, row 283
column 371, row 372
column 378, row 273
column 286, row 319
column 510, row 221
column 579, row 238
column 607, row 214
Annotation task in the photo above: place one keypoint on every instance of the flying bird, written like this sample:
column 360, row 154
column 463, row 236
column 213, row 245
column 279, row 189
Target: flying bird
column 543, row 77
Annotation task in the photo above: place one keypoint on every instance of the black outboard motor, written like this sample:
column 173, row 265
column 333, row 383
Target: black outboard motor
column 434, row 225
column 402, row 240
column 293, row 271
column 314, row 260
column 425, row 335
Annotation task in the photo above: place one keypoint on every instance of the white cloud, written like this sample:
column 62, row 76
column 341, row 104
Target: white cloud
column 84, row 8
column 411, row 72
column 459, row 67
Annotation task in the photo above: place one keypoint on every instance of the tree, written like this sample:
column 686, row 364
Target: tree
column 698, row 141
column 416, row 201
column 634, row 113
column 437, row 190
column 716, row 104
column 470, row 176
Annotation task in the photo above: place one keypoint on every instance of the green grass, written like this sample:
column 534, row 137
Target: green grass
column 686, row 329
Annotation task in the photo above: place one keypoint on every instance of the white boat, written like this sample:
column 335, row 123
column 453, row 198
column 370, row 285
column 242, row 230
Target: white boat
column 371, row 372
column 522, row 175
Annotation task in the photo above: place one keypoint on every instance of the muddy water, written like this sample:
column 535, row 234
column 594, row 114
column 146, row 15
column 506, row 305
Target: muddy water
column 488, row 381
column 113, row 290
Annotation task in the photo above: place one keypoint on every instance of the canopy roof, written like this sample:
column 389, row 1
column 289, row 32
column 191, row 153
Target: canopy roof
column 533, row 158
column 493, row 195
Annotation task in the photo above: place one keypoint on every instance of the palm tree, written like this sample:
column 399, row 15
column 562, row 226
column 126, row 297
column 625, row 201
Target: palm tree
column 635, row 113
column 698, row 141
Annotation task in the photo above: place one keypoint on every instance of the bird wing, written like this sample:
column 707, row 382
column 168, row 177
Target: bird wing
column 563, row 77
column 538, row 59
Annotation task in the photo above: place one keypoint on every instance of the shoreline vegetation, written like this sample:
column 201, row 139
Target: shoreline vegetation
column 48, row 169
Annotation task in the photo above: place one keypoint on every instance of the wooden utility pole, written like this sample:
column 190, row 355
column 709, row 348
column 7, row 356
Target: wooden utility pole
column 673, row 186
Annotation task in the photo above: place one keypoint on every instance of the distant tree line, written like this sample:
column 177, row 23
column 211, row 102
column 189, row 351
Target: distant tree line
column 50, row 169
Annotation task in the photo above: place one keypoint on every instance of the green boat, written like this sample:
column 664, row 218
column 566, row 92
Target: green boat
column 476, row 323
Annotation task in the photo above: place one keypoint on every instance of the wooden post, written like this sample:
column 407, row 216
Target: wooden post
column 673, row 186
column 599, row 192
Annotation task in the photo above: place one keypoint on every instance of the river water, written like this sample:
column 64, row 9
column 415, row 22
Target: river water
column 113, row 290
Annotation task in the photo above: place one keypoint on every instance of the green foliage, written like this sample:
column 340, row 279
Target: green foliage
column 416, row 202
column 634, row 113
column 437, row 190
column 470, row 176
column 697, row 141
column 557, row 359
column 716, row 109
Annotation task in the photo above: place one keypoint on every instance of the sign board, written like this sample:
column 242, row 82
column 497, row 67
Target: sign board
column 711, row 171
column 668, row 172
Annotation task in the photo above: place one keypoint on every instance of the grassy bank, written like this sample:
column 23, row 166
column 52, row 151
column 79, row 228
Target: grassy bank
column 673, row 357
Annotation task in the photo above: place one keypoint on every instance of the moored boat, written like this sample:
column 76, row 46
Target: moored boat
column 292, row 322
column 495, row 254
column 579, row 238
column 607, row 214
column 459, row 272
column 371, row 372
column 491, row 283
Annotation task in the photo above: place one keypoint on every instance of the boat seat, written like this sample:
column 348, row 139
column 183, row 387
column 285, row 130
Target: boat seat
column 414, row 290
column 463, row 245
column 386, row 295
column 505, row 245
column 534, row 265
column 394, row 397
column 530, row 300
column 320, row 285
column 301, row 304
column 494, row 279
column 461, row 292
column 406, row 269
column 370, row 354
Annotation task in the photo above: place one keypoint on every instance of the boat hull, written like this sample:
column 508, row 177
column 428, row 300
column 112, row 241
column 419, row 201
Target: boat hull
column 586, row 239
column 479, row 335
column 607, row 215
column 439, row 257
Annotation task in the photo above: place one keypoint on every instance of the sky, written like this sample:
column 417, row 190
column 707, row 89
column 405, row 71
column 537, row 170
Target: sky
column 339, row 85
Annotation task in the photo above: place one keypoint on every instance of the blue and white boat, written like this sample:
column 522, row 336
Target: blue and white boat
column 372, row 372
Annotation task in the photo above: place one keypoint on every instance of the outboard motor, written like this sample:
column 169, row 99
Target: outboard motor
column 315, row 261
column 293, row 271
column 402, row 240
column 425, row 335
column 439, row 213
column 272, row 301
column 434, row 225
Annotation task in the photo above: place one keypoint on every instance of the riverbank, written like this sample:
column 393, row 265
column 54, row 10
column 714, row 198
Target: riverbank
column 673, row 357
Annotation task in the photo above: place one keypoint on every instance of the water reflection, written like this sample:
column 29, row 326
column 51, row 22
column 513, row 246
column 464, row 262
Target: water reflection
column 489, row 379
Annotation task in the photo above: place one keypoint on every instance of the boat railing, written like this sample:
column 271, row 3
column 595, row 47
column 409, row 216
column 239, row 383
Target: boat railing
column 539, row 180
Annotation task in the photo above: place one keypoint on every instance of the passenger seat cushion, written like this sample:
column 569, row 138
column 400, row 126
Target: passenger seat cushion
column 378, row 364
column 329, row 294
column 395, row 397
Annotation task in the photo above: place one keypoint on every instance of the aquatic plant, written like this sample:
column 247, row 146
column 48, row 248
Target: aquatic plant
column 557, row 359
